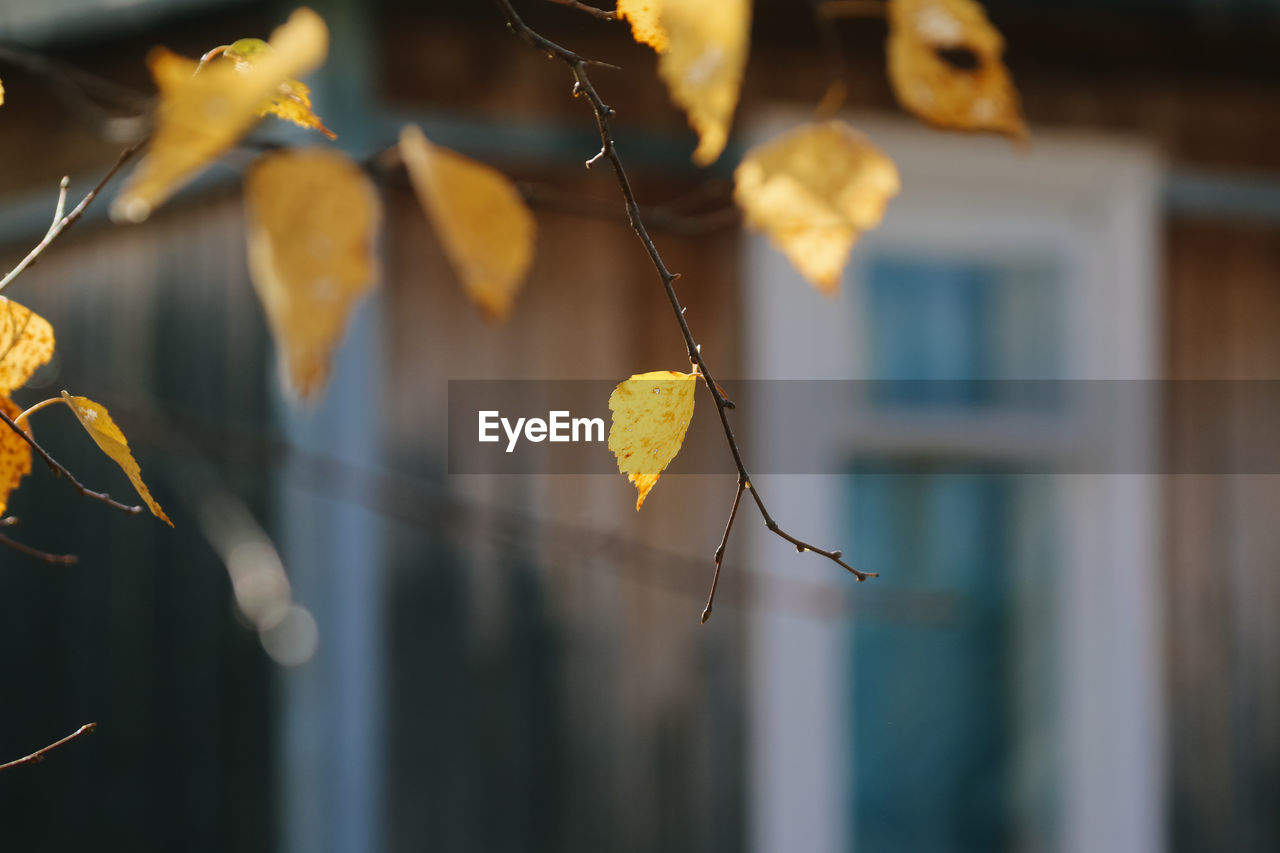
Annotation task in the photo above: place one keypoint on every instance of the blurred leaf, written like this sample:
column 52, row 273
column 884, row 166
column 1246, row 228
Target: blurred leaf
column 814, row 190
column 26, row 343
column 484, row 225
column 313, row 218
column 15, row 454
column 651, row 413
column 1, row 93
column 292, row 101
column 111, row 441
column 643, row 17
column 702, row 65
column 202, row 115
column 945, row 66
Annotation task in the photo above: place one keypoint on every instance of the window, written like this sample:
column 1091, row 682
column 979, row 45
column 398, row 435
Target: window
column 997, row 687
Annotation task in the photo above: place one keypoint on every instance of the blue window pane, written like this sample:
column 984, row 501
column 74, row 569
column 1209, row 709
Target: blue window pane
column 940, row 329
column 933, row 735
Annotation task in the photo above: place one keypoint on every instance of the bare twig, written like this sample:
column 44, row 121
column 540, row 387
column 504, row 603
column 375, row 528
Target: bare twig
column 60, row 470
column 663, row 217
column 45, row 556
column 602, row 14
column 62, row 223
column 39, row 754
column 603, row 112
column 724, row 540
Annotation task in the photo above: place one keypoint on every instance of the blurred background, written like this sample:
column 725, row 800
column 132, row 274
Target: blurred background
column 1058, row 662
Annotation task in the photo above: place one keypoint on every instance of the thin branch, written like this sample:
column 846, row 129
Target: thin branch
column 724, row 540
column 59, row 470
column 663, row 217
column 44, row 556
column 602, row 14
column 603, row 112
column 39, row 754
column 61, row 224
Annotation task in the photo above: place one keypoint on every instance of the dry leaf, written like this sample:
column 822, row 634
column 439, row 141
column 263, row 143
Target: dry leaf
column 651, row 413
column 292, row 101
column 702, row 65
column 313, row 218
column 202, row 115
column 484, row 225
column 945, row 66
column 15, row 454
column 26, row 342
column 643, row 17
column 1, row 93
column 111, row 441
column 813, row 191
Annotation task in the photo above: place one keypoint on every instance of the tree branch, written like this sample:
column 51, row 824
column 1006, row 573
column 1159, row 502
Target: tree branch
column 45, row 556
column 39, row 754
column 724, row 540
column 60, row 470
column 62, row 223
column 603, row 112
column 602, row 14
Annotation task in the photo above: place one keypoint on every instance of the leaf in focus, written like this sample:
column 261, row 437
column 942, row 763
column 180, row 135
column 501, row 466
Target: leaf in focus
column 814, row 190
column 291, row 101
column 651, row 413
column 702, row 65
column 202, row 115
column 26, row 343
column 484, row 225
column 313, row 218
column 643, row 15
column 111, row 441
column 945, row 66
column 15, row 454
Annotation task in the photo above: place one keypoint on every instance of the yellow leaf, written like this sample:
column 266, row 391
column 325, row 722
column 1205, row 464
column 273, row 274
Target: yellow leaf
column 702, row 65
column 26, row 342
column 945, row 66
column 651, row 413
column 643, row 17
column 291, row 101
column 1, row 93
column 813, row 191
column 15, row 454
column 484, row 225
column 202, row 115
column 313, row 218
column 111, row 441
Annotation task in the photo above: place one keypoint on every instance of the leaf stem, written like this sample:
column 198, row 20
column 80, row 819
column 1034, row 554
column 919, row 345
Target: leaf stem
column 37, row 407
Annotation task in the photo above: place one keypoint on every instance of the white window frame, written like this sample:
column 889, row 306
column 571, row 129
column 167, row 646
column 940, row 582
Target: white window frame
column 1095, row 203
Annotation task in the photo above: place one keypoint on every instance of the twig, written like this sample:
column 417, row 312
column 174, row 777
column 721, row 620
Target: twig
column 602, row 14
column 39, row 754
column 60, row 470
column 45, row 556
column 663, row 217
column 724, row 540
column 603, row 112
column 62, row 223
